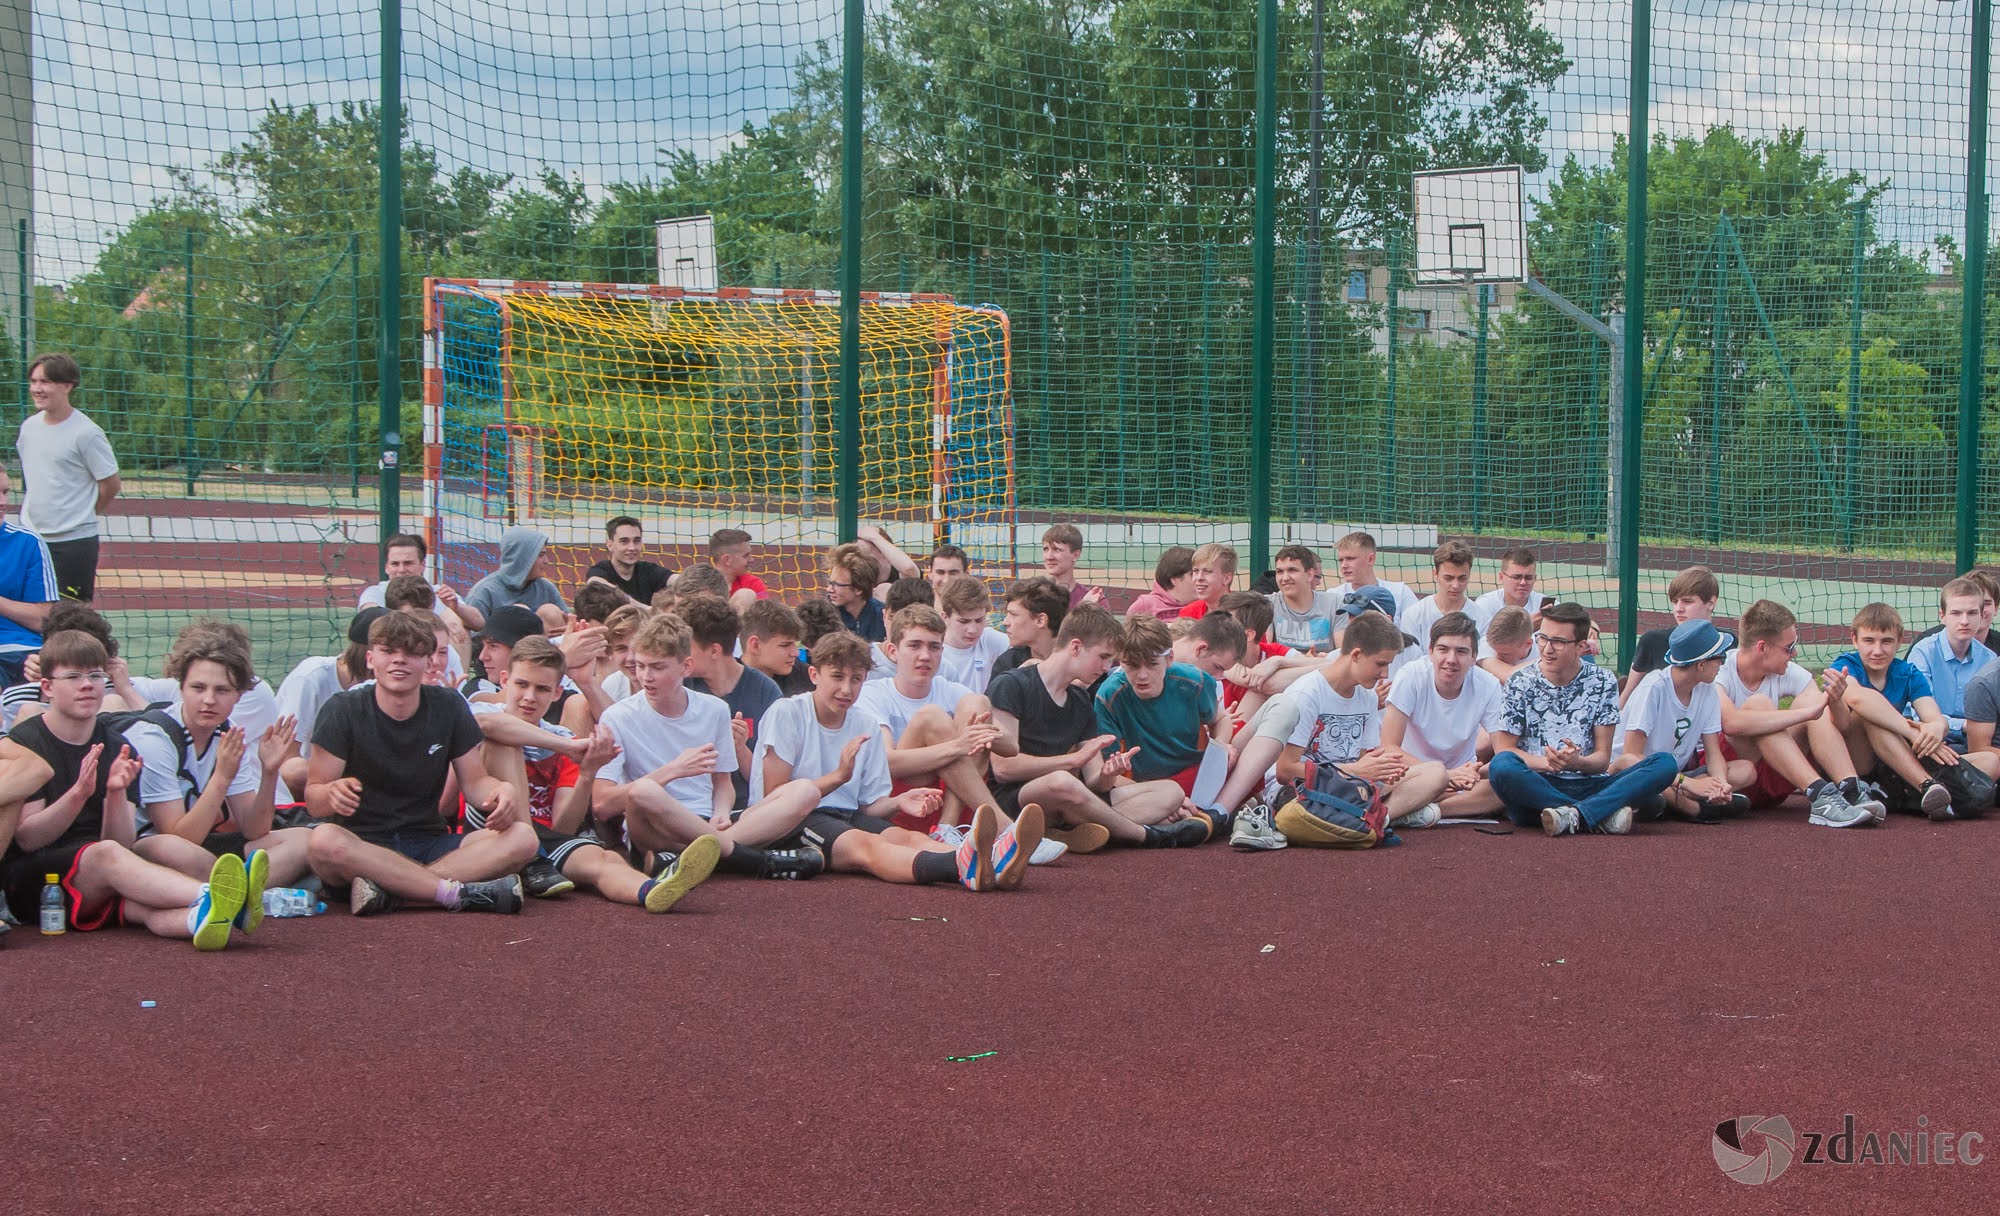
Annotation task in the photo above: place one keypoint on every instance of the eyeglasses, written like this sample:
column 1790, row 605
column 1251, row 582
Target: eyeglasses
column 81, row 677
column 1546, row 640
column 1792, row 649
column 841, row 586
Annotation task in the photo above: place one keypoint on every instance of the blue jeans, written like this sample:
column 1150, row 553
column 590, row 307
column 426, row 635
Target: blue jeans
column 1596, row 796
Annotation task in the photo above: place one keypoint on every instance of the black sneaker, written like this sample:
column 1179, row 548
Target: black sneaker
column 1182, row 835
column 502, row 895
column 543, row 881
column 364, row 898
column 802, row 862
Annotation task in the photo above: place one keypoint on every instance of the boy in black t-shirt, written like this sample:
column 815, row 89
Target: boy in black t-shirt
column 714, row 669
column 1035, row 611
column 1693, row 595
column 1046, row 710
column 381, row 756
column 625, row 540
column 80, row 824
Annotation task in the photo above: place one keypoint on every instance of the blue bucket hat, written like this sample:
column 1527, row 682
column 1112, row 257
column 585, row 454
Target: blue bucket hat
column 1693, row 641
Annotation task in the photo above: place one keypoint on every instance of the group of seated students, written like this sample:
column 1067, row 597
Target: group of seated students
column 469, row 751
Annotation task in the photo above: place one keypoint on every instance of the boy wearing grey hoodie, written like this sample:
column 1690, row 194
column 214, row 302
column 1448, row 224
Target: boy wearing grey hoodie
column 522, row 578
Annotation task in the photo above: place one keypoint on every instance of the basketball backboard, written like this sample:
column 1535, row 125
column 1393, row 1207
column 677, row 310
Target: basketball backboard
column 687, row 253
column 1471, row 226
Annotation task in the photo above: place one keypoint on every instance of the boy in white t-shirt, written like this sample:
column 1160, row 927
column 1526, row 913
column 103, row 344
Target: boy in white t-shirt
column 941, row 732
column 824, row 739
column 1445, row 708
column 1516, row 589
column 68, row 475
column 1676, row 709
column 1356, row 554
column 1340, row 724
column 1791, row 730
column 552, row 772
column 971, row 644
column 206, row 787
column 1451, row 573
column 670, row 780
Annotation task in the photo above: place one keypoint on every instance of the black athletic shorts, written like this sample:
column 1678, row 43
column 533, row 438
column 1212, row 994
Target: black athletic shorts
column 828, row 824
column 556, row 847
column 1007, row 797
column 25, row 873
column 553, row 847
column 226, row 844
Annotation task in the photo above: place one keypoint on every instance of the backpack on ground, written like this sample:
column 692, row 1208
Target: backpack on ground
column 1329, row 809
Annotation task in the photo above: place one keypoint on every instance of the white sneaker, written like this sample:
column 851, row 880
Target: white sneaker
column 949, row 833
column 1047, row 851
column 1561, row 820
column 1423, row 817
column 1617, row 823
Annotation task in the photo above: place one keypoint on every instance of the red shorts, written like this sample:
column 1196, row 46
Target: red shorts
column 1185, row 778
column 915, row 823
column 1770, row 787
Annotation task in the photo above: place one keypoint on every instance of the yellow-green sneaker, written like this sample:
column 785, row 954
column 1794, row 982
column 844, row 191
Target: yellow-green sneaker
column 257, row 876
column 684, row 874
column 214, row 913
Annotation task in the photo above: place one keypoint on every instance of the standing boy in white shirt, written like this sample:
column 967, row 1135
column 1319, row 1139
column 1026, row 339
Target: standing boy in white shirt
column 68, row 475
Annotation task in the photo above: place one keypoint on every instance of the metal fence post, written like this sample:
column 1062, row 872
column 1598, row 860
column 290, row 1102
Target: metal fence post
column 1633, row 436
column 389, row 325
column 1264, row 287
column 1972, row 356
column 847, row 491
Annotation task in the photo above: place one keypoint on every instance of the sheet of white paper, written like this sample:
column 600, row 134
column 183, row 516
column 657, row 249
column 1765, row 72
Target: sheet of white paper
column 1208, row 781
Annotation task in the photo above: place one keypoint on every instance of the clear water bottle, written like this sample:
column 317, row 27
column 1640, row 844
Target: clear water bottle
column 291, row 901
column 53, row 912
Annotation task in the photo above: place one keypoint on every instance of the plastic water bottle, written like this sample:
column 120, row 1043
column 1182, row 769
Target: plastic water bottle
column 53, row 917
column 291, row 901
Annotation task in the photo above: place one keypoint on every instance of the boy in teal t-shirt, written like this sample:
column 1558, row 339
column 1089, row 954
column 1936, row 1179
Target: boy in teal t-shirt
column 1162, row 713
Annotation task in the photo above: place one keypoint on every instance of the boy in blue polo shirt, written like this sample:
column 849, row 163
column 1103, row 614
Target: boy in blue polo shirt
column 1894, row 725
column 27, row 592
column 1951, row 656
column 1167, row 711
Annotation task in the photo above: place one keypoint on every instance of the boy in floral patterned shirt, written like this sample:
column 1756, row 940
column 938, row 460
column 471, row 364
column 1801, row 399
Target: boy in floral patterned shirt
column 1551, row 763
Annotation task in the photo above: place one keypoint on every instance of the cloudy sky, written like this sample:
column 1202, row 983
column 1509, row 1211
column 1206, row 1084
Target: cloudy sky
column 126, row 94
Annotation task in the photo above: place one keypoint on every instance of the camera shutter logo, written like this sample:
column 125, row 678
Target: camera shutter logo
column 1753, row 1149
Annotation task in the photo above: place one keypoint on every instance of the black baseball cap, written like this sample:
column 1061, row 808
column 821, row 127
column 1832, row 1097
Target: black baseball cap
column 357, row 629
column 509, row 624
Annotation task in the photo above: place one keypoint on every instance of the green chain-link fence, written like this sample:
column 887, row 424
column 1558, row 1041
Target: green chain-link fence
column 207, row 202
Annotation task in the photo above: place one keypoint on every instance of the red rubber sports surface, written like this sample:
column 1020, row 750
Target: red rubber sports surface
column 1465, row 1024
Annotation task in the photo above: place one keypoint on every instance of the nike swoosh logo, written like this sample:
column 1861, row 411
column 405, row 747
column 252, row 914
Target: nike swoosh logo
column 434, row 749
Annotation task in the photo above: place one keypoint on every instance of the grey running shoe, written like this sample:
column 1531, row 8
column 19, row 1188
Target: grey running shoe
column 1253, row 830
column 1562, row 820
column 502, row 895
column 1936, row 801
column 1831, row 809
